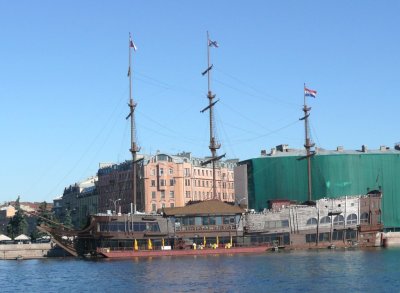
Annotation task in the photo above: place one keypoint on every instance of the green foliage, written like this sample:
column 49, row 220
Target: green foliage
column 68, row 219
column 44, row 213
column 18, row 224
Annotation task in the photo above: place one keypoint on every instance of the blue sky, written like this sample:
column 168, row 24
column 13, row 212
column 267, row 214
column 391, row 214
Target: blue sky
column 64, row 86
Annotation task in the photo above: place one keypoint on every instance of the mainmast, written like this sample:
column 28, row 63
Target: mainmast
column 308, row 143
column 214, row 145
column 134, row 148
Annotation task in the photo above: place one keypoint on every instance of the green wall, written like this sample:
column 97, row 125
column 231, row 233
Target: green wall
column 333, row 175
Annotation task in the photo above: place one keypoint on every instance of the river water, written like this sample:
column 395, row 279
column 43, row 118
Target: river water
column 373, row 270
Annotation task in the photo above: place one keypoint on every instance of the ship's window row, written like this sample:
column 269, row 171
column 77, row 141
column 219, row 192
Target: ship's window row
column 128, row 226
column 205, row 221
column 336, row 236
column 338, row 220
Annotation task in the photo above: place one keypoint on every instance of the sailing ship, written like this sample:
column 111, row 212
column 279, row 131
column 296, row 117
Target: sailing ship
column 215, row 227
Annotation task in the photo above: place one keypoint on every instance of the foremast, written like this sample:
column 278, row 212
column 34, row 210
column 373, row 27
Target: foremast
column 134, row 148
column 214, row 145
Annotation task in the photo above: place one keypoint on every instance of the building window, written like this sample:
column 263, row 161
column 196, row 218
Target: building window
column 161, row 171
column 310, row 238
column 162, row 182
column 171, row 171
column 352, row 219
column 171, row 194
column 172, row 205
column 187, row 172
column 171, row 182
column 153, row 183
column 338, row 220
column 202, row 172
column 162, row 194
column 153, row 207
column 153, row 172
column 188, row 194
column 153, row 194
column 312, row 221
column 163, row 205
column 325, row 220
column 364, row 219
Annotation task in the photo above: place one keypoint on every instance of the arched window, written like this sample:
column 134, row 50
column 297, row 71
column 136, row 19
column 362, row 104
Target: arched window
column 352, row 219
column 325, row 220
column 364, row 219
column 338, row 220
column 312, row 221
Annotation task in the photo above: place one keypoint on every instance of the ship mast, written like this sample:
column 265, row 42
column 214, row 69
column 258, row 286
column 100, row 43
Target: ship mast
column 214, row 145
column 134, row 148
column 308, row 143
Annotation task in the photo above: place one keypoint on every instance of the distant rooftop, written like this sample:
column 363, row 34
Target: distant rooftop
column 283, row 150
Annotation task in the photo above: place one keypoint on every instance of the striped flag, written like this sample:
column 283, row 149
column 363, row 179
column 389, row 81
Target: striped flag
column 310, row 93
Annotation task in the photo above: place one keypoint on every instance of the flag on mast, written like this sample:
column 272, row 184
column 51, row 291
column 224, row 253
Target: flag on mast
column 131, row 43
column 213, row 44
column 309, row 92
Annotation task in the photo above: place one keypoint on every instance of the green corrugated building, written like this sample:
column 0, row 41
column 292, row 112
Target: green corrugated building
column 282, row 174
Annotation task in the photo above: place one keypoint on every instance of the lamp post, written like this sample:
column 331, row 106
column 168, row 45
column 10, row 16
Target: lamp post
column 115, row 204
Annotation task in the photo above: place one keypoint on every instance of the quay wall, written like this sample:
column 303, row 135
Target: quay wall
column 25, row 251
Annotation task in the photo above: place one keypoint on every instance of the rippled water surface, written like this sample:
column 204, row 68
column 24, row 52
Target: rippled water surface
column 298, row 271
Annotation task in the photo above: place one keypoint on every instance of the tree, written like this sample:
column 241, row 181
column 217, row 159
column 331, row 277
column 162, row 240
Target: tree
column 43, row 213
column 17, row 224
column 68, row 219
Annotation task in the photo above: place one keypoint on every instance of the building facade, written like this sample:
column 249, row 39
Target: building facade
column 282, row 174
column 79, row 200
column 163, row 181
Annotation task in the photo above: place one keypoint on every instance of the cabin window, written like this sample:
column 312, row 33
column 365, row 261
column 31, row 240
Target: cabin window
column 337, row 235
column 352, row 219
column 338, row 220
column 351, row 234
column 312, row 221
column 310, row 238
column 364, row 219
column 325, row 220
column 229, row 220
column 324, row 237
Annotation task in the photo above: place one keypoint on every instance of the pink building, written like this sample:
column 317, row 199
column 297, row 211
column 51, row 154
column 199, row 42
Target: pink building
column 164, row 181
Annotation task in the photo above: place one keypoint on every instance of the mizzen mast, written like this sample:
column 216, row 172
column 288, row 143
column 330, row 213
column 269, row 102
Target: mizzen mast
column 214, row 145
column 134, row 148
column 308, row 143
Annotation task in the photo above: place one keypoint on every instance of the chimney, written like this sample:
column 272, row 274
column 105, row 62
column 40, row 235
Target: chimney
column 364, row 148
column 282, row 148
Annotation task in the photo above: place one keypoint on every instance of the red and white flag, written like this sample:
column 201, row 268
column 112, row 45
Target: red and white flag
column 310, row 93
